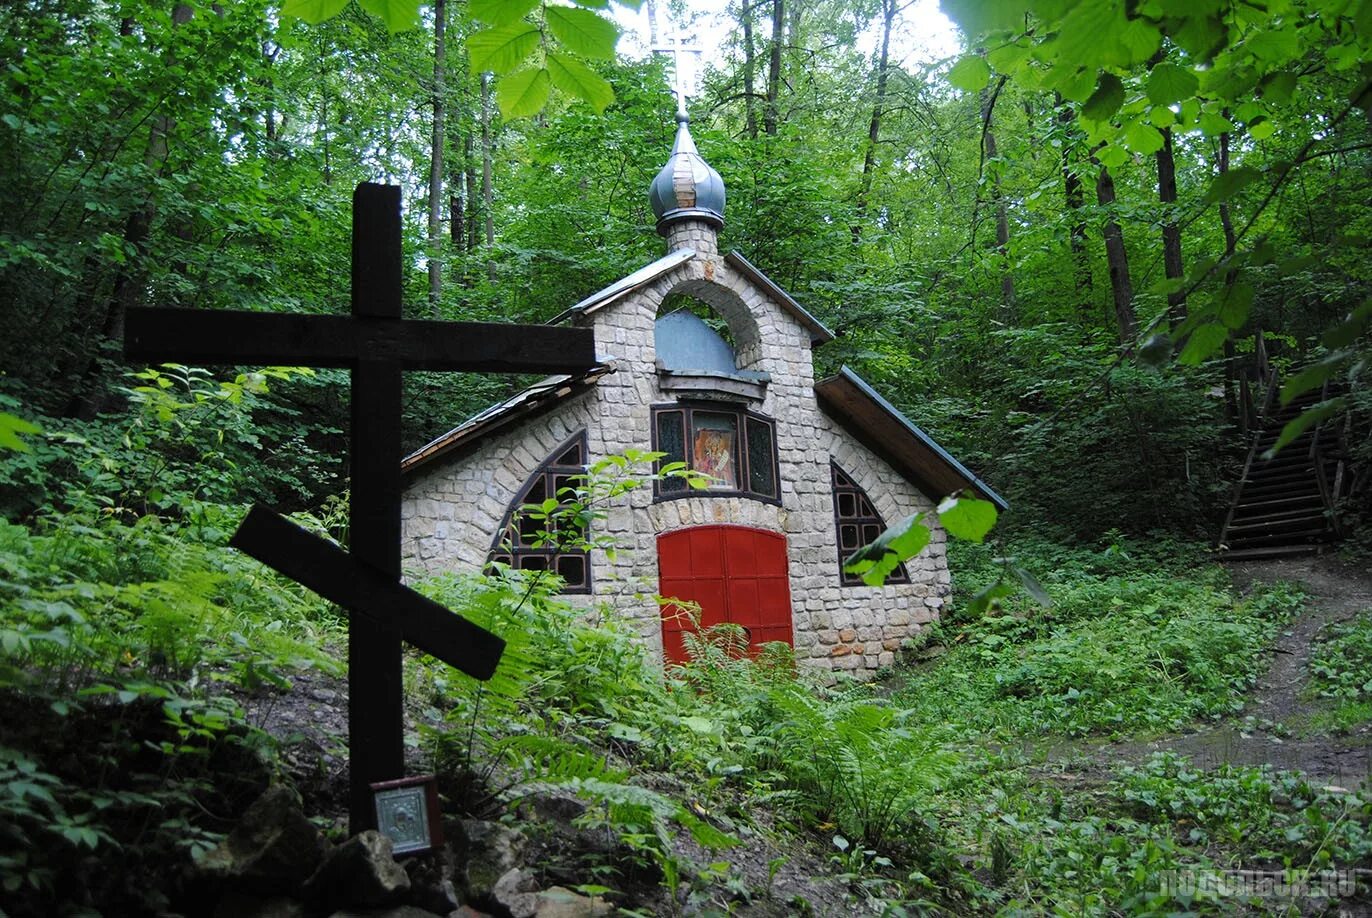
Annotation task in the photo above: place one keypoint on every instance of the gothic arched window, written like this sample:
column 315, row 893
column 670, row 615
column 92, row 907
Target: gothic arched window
column 857, row 524
column 525, row 543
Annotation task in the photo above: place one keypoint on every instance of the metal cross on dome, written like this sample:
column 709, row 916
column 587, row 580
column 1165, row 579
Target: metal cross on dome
column 682, row 72
column 376, row 344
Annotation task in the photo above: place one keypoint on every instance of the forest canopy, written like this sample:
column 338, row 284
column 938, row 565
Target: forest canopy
column 1063, row 243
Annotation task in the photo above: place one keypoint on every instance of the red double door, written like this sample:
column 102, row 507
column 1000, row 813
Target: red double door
column 735, row 573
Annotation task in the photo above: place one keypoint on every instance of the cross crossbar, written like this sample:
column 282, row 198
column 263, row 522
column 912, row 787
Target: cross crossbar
column 363, row 590
column 228, row 337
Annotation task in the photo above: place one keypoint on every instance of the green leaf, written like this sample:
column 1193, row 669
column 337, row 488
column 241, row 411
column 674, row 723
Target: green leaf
column 503, row 49
column 1033, row 587
column 1304, row 421
column 1262, row 129
column 398, row 15
column 1169, row 83
column 583, row 32
column 898, row 543
column 1279, row 87
column 990, row 594
column 1112, row 156
column 1273, row 45
column 1106, row 100
column 576, row 79
column 1230, row 183
column 1238, row 301
column 313, row 11
column 1143, row 139
column 1155, row 350
column 979, row 17
column 967, row 517
column 1312, row 376
column 524, row 93
column 10, row 429
column 1201, row 36
column 1203, row 343
column 971, row 74
column 501, row 12
column 1341, row 335
column 1214, row 124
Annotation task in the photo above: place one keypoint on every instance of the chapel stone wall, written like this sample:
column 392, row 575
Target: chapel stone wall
column 452, row 509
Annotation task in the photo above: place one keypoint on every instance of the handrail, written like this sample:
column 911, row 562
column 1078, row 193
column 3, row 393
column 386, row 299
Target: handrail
column 1270, row 381
column 1328, row 493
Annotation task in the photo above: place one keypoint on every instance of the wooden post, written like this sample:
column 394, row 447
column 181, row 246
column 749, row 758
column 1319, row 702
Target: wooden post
column 375, row 691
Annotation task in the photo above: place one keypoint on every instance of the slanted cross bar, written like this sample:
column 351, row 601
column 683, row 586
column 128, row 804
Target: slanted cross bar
column 376, row 344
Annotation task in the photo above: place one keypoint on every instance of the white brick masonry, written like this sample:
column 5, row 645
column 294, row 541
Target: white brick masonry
column 451, row 509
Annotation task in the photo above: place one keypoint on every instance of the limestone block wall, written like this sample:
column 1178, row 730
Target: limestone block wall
column 452, row 509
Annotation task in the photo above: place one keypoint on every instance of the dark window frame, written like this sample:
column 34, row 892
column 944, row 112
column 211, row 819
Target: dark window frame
column 742, row 461
column 518, row 555
column 864, row 514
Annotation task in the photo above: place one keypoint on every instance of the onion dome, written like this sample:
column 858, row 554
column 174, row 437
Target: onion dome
column 687, row 188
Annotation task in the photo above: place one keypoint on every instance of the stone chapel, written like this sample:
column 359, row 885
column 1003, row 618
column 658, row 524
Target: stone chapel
column 802, row 472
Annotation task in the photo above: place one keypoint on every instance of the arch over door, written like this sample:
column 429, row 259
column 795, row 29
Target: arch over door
column 737, row 575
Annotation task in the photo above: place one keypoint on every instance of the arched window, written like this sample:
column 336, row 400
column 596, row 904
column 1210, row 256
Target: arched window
column 519, row 540
column 857, row 524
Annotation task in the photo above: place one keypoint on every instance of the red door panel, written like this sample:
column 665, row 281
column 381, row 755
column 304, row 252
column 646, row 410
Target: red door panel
column 736, row 574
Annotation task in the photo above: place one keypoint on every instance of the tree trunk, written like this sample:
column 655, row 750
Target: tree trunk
column 1118, row 258
column 129, row 282
column 770, row 116
column 1074, row 193
column 1231, row 369
column 745, row 16
column 436, row 160
column 473, row 211
column 869, row 158
column 487, row 194
column 1171, row 230
column 1007, row 279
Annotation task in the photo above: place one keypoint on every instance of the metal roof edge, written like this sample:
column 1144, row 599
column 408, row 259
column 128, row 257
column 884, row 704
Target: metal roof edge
column 895, row 413
column 522, row 404
column 819, row 332
column 626, row 285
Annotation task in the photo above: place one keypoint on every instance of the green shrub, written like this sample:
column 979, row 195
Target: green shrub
column 1341, row 663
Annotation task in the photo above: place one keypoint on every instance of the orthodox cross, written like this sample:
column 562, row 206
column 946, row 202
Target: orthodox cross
column 682, row 73
column 376, row 344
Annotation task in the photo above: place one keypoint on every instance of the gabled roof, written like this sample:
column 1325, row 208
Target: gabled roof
column 848, row 399
column 645, row 275
column 521, row 406
column 819, row 333
column 626, row 285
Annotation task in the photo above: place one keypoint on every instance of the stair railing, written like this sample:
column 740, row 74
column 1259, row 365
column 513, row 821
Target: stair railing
column 1329, row 491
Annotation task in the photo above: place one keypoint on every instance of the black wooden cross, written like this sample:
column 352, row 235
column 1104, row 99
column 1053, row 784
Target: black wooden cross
column 376, row 344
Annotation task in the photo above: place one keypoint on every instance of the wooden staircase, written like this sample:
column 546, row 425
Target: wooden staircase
column 1284, row 505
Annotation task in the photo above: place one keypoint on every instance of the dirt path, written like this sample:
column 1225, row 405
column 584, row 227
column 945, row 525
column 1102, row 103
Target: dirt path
column 1338, row 592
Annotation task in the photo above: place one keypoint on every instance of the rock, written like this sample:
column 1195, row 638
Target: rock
column 558, row 902
column 361, row 872
column 236, row 904
column 491, row 851
column 273, row 849
column 517, row 891
column 399, row 911
column 466, row 911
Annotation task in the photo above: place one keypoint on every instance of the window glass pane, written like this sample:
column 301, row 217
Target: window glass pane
column 714, row 438
column 530, row 530
column 533, row 562
column 761, row 479
column 572, row 456
column 572, row 569
column 847, row 505
column 671, row 440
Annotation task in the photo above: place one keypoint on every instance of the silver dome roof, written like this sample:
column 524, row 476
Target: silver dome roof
column 687, row 188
